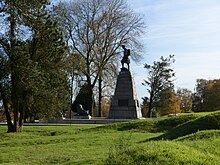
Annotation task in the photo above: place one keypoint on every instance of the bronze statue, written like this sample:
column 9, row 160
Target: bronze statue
column 125, row 58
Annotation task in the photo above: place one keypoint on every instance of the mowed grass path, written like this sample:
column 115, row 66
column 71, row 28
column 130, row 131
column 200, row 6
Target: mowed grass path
column 187, row 139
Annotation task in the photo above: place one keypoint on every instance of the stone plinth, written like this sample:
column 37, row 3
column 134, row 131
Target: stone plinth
column 124, row 103
column 82, row 117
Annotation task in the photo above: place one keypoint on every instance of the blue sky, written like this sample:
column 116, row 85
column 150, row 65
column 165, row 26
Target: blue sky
column 189, row 29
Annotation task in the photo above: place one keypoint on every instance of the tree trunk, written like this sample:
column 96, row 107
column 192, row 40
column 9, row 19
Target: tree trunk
column 100, row 96
column 7, row 112
column 150, row 105
column 21, row 119
column 149, row 110
column 71, row 92
column 8, row 117
column 15, row 117
column 14, row 95
column 92, row 101
column 17, row 99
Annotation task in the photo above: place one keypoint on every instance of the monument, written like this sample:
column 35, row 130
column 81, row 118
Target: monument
column 124, row 103
column 81, row 113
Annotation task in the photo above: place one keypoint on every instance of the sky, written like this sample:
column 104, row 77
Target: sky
column 189, row 29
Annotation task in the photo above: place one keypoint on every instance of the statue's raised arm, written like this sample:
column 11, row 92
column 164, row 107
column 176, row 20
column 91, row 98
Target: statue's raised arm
column 125, row 58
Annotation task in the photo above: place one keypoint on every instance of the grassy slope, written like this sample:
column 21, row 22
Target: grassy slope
column 136, row 142
column 168, row 152
column 207, row 122
column 151, row 125
column 191, row 146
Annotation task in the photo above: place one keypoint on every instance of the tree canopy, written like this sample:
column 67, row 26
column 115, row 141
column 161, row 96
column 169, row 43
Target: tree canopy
column 95, row 30
column 159, row 79
column 32, row 52
column 206, row 97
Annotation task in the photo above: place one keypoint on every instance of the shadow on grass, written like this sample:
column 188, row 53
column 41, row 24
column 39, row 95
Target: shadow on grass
column 207, row 122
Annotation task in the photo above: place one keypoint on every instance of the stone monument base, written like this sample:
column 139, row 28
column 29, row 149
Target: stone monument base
column 82, row 117
column 124, row 103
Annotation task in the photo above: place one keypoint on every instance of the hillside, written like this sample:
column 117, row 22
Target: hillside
column 185, row 139
column 197, row 139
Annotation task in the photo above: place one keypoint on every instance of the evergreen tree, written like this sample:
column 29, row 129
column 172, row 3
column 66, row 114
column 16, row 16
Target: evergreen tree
column 159, row 79
column 35, row 53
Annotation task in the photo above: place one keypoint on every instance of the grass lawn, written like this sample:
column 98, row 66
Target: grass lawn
column 185, row 139
column 61, row 144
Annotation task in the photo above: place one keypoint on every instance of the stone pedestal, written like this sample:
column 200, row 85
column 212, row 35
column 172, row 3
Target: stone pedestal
column 82, row 117
column 124, row 103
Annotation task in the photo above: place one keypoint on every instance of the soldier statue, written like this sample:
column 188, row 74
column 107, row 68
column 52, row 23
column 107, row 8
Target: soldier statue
column 125, row 58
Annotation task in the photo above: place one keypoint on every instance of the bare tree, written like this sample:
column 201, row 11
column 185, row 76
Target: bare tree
column 95, row 29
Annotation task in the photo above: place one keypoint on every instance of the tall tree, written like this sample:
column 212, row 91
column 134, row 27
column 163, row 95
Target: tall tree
column 5, row 90
column 160, row 78
column 145, row 106
column 95, row 30
column 34, row 50
column 185, row 96
column 169, row 102
column 212, row 95
column 207, row 97
column 198, row 95
column 106, row 82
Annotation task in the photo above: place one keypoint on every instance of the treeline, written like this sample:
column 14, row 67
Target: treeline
column 52, row 54
column 54, row 57
column 207, row 95
column 163, row 99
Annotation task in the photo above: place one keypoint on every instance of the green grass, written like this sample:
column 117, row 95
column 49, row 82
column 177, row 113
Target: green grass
column 207, row 122
column 60, row 145
column 152, row 125
column 166, row 152
column 185, row 139
column 200, row 135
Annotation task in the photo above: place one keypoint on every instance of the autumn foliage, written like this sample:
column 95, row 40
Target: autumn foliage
column 207, row 95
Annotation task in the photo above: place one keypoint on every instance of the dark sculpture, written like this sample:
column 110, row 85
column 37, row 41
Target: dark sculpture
column 85, row 98
column 125, row 58
column 80, row 111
